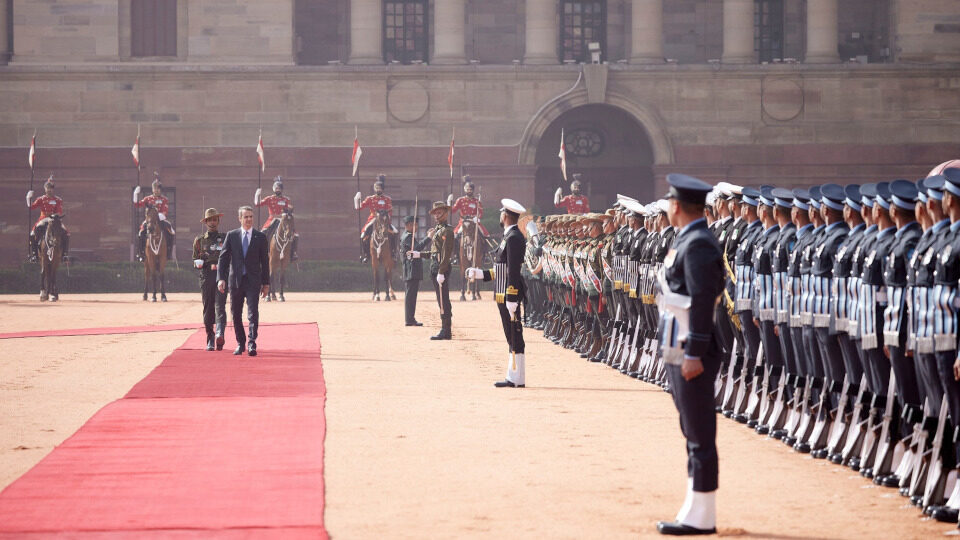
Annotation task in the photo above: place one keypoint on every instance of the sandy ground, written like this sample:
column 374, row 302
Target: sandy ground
column 420, row 444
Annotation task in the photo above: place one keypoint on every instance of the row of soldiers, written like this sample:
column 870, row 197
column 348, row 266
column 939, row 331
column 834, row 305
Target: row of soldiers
column 838, row 318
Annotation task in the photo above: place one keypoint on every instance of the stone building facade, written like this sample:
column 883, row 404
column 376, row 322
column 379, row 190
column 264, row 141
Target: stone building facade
column 747, row 91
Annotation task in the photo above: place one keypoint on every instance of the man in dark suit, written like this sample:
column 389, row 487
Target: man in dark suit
column 510, row 290
column 245, row 260
column 412, row 270
column 693, row 274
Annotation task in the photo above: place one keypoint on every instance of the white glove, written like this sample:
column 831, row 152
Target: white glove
column 450, row 199
column 29, row 196
column 474, row 273
column 512, row 308
column 440, row 279
column 136, row 194
column 256, row 197
column 198, row 263
column 356, row 201
column 557, row 195
column 413, row 254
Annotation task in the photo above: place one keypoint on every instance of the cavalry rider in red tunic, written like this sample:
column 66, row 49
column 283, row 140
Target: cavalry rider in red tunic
column 276, row 205
column 49, row 204
column 469, row 207
column 376, row 202
column 158, row 201
column 575, row 203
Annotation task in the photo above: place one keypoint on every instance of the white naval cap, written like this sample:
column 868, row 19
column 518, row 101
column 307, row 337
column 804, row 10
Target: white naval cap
column 664, row 205
column 512, row 206
column 634, row 206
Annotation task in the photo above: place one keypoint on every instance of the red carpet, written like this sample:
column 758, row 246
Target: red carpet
column 105, row 330
column 206, row 445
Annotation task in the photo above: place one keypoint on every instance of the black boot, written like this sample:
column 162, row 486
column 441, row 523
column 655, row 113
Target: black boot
column 33, row 243
column 444, row 330
column 171, row 239
column 294, row 254
column 65, row 254
column 365, row 242
column 142, row 245
column 211, row 337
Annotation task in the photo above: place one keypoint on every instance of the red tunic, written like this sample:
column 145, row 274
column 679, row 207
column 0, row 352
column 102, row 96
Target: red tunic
column 276, row 206
column 575, row 204
column 376, row 203
column 468, row 207
column 48, row 205
column 156, row 201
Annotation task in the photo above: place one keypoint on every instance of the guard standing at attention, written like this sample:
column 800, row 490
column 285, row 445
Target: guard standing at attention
column 206, row 253
column 692, row 280
column 510, row 290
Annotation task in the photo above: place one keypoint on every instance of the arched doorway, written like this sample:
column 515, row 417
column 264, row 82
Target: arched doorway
column 606, row 145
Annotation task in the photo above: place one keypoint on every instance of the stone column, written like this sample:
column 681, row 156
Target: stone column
column 738, row 32
column 448, row 35
column 4, row 37
column 822, row 32
column 366, row 31
column 647, row 33
column 542, row 35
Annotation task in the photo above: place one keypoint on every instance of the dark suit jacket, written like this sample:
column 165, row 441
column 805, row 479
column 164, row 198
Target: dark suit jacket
column 257, row 261
column 695, row 268
column 412, row 268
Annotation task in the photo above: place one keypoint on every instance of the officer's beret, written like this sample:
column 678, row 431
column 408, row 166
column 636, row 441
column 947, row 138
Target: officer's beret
column 687, row 188
column 868, row 194
column 934, row 186
column 883, row 194
column 853, row 196
column 903, row 193
column 832, row 196
column 750, row 196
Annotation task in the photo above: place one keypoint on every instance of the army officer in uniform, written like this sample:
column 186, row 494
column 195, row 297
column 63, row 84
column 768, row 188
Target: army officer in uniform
column 510, row 290
column 693, row 273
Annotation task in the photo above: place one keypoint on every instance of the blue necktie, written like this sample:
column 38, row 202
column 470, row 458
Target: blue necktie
column 246, row 244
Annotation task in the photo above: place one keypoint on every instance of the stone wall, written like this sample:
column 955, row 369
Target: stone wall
column 928, row 30
column 209, row 31
column 65, row 30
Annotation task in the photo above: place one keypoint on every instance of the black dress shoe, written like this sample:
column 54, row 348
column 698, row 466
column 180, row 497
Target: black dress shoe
column 679, row 529
column 252, row 349
column 507, row 384
column 210, row 345
column 889, row 481
column 220, row 341
column 415, row 323
column 238, row 351
column 945, row 514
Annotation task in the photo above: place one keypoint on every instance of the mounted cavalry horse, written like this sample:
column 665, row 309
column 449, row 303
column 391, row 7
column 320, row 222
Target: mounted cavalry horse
column 155, row 256
column 382, row 245
column 281, row 251
column 473, row 249
column 51, row 251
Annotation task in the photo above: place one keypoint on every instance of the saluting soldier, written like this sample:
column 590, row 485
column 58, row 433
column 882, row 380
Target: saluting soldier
column 693, row 275
column 206, row 253
column 510, row 290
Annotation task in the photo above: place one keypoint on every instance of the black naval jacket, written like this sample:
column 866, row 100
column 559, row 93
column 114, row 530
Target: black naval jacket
column 694, row 268
column 512, row 251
